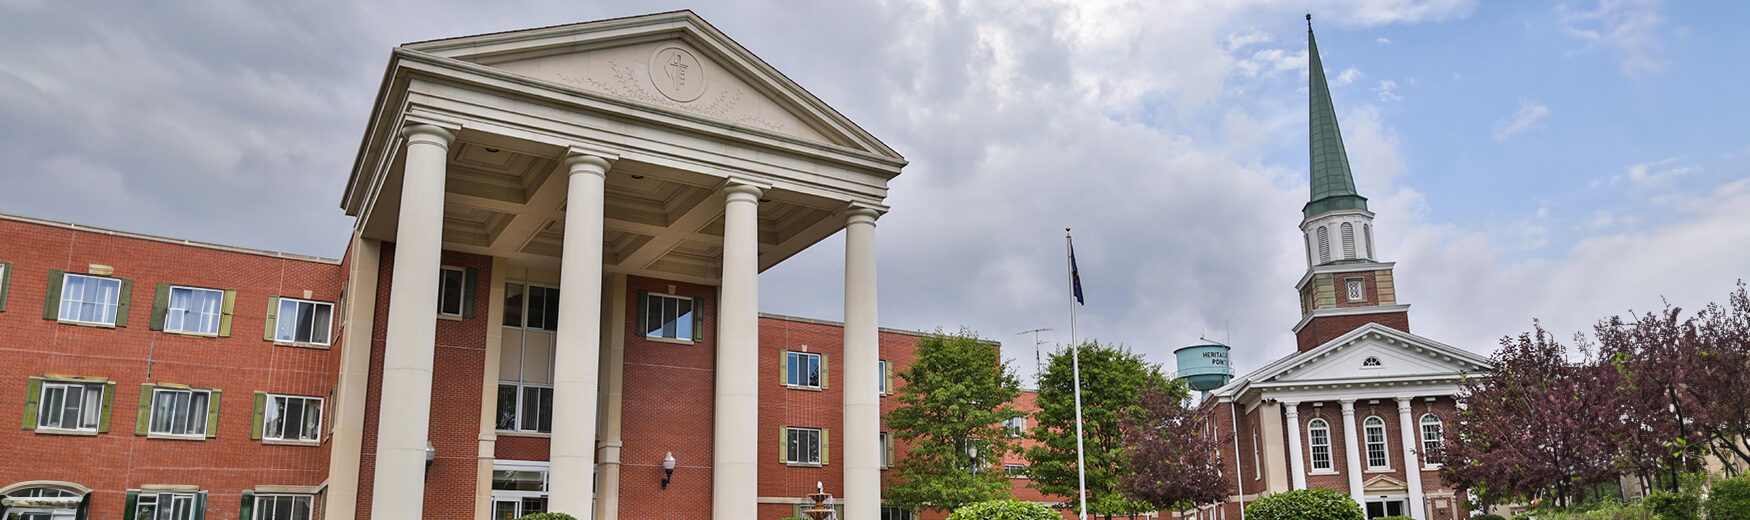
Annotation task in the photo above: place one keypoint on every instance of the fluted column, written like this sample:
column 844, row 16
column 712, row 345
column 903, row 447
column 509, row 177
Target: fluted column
column 734, row 468
column 1352, row 451
column 862, row 357
column 410, row 342
column 1294, row 451
column 577, row 345
column 1412, row 464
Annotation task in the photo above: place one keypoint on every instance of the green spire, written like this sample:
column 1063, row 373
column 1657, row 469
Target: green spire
column 1333, row 186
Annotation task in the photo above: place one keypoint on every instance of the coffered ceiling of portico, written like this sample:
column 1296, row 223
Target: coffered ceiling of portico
column 659, row 222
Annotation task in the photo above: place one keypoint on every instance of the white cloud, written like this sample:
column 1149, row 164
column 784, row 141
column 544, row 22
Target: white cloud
column 1653, row 175
column 1383, row 41
column 1529, row 115
column 1346, row 77
column 1628, row 29
column 1387, row 90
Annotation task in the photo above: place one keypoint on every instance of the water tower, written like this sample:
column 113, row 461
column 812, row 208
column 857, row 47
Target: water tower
column 1204, row 366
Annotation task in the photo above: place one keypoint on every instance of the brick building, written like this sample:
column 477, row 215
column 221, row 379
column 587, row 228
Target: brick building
column 549, row 293
column 1354, row 408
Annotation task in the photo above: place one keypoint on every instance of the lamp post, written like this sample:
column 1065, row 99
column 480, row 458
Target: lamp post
column 667, row 469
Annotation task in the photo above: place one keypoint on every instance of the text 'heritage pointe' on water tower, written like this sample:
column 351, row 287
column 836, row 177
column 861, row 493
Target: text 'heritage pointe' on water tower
column 1204, row 366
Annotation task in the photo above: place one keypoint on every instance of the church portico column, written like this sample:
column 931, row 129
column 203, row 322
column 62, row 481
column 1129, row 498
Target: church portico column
column 577, row 344
column 734, row 468
column 1412, row 464
column 862, row 356
column 1294, row 450
column 1352, row 451
column 411, row 336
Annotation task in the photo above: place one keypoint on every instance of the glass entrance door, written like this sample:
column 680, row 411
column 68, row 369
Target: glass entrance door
column 1384, row 508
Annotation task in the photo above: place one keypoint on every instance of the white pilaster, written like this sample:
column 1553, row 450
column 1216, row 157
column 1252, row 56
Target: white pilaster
column 1352, row 451
column 577, row 345
column 1294, row 451
column 1412, row 464
column 862, row 357
column 607, row 503
column 734, row 468
column 410, row 342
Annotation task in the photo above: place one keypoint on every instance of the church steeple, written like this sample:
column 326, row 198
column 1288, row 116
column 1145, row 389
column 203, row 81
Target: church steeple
column 1333, row 186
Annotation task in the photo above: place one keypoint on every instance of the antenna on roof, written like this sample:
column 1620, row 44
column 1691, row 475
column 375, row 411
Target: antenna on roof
column 1038, row 364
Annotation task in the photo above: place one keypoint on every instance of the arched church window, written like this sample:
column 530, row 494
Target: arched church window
column 1367, row 235
column 1432, row 441
column 1374, row 428
column 1324, row 244
column 1370, row 362
column 1348, row 241
column 1318, row 434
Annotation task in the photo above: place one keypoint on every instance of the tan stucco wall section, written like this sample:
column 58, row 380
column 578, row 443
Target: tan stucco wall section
column 1275, row 460
column 353, row 381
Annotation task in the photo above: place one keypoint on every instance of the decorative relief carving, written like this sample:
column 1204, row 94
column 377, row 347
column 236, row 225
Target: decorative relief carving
column 677, row 74
column 625, row 84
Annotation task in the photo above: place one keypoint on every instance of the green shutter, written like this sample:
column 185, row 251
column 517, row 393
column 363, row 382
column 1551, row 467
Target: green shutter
column 52, row 297
column 469, row 281
column 889, row 371
column 255, row 420
column 128, row 505
column 783, row 367
column 122, row 300
column 273, row 309
column 108, row 407
column 889, row 446
column 698, row 319
column 200, row 506
column 213, row 414
column 226, row 310
column 144, row 419
column 823, row 372
column 32, row 391
column 825, row 446
column 160, row 304
column 783, row 443
column 5, row 283
column 642, row 301
column 247, row 511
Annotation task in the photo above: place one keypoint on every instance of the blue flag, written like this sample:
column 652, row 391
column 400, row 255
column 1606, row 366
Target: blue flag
column 1075, row 276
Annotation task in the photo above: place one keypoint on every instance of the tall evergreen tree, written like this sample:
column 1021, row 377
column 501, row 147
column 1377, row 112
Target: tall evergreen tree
column 956, row 395
column 1113, row 381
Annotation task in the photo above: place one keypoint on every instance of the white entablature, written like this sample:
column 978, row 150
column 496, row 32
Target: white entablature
column 1372, row 361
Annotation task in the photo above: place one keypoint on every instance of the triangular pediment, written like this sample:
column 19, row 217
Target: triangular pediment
column 670, row 61
column 1375, row 351
column 1384, row 485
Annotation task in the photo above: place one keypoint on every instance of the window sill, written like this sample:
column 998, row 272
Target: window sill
column 447, row 317
column 168, row 437
column 295, row 344
column 1380, row 470
column 808, row 388
column 533, row 435
column 1432, row 467
column 192, row 334
column 804, row 464
column 43, row 430
column 278, row 442
column 87, row 324
column 1320, row 473
column 676, row 341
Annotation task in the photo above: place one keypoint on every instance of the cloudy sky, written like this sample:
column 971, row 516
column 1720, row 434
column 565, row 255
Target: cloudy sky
column 1562, row 161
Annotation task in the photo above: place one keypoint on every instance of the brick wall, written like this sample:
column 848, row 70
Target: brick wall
column 1326, row 328
column 669, row 398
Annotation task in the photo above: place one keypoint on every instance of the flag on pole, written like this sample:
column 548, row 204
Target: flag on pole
column 1075, row 276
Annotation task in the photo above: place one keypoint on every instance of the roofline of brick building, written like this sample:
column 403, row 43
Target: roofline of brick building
column 168, row 240
column 830, row 323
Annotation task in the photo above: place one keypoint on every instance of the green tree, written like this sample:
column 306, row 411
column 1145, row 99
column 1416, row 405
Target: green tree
column 956, row 395
column 1113, row 381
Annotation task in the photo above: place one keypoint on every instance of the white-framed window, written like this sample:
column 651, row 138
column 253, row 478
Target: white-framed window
column 881, row 376
column 1016, row 426
column 518, row 488
column 303, row 321
column 886, row 450
column 452, row 285
column 292, row 418
column 667, row 316
column 179, row 411
column 283, row 507
column 70, row 406
column 1015, row 470
column 193, row 310
column 1257, row 456
column 1377, row 455
column 802, row 369
column 1433, row 442
column 1318, row 434
column 165, row 506
column 802, row 445
column 89, row 299
column 1371, row 362
column 525, row 366
column 896, row 513
column 65, row 509
column 1355, row 289
column 1348, row 240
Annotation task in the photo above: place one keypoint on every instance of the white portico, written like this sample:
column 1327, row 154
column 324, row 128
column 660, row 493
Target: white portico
column 651, row 146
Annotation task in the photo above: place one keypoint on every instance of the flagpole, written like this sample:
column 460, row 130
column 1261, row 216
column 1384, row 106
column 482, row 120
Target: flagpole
column 1076, row 363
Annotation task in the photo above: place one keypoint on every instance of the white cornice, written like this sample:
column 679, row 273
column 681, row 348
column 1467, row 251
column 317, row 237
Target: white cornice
column 1349, row 311
column 1337, row 213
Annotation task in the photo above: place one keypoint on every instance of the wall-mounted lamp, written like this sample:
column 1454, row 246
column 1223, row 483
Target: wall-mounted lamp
column 430, row 457
column 667, row 469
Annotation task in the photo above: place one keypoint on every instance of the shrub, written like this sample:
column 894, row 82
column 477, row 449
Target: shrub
column 1399, row 517
column 1487, row 517
column 1729, row 499
column 1674, row 506
column 1004, row 510
column 1306, row 504
column 546, row 516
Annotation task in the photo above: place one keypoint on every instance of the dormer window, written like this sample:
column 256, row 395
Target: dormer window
column 1370, row 362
